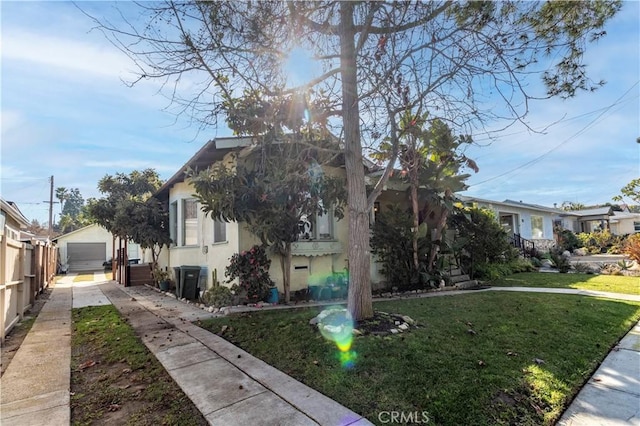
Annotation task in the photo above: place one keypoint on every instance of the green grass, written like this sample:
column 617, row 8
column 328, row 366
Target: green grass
column 125, row 374
column 457, row 377
column 610, row 283
column 83, row 277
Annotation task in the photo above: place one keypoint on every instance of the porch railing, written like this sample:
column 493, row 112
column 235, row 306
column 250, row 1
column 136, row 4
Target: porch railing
column 526, row 247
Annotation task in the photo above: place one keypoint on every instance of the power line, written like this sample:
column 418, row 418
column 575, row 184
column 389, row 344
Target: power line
column 570, row 138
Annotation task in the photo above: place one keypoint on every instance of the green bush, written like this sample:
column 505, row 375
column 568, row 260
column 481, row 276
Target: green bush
column 596, row 242
column 567, row 240
column 251, row 268
column 561, row 263
column 218, row 296
column 491, row 271
column 522, row 265
column 487, row 243
column 391, row 243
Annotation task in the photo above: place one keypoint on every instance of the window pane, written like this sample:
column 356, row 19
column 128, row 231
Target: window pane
column 636, row 226
column 323, row 226
column 173, row 222
column 536, row 227
column 189, row 223
column 219, row 231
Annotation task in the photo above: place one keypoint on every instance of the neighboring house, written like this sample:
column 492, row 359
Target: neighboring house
column 86, row 249
column 12, row 221
column 522, row 220
column 589, row 220
column 209, row 244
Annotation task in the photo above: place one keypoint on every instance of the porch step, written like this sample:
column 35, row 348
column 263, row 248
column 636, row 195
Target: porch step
column 459, row 278
column 466, row 284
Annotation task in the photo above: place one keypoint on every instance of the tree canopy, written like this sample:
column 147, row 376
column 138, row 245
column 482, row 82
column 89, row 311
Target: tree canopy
column 468, row 63
column 129, row 211
column 269, row 187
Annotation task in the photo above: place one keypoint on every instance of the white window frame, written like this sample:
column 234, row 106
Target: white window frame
column 533, row 228
column 219, row 231
column 173, row 223
column 190, row 227
column 312, row 235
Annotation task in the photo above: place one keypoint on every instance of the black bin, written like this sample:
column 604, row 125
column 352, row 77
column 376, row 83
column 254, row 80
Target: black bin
column 188, row 282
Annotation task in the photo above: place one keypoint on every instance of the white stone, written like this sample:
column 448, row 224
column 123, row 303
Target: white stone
column 394, row 331
column 403, row 326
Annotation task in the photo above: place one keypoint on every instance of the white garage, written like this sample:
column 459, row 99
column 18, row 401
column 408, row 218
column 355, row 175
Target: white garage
column 86, row 249
column 86, row 256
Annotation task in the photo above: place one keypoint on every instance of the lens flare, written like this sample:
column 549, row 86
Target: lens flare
column 336, row 324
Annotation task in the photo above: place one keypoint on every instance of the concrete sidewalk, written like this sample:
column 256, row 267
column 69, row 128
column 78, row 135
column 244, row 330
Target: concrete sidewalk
column 230, row 386
column 36, row 385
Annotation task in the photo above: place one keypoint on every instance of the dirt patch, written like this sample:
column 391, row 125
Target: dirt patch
column 18, row 333
column 116, row 380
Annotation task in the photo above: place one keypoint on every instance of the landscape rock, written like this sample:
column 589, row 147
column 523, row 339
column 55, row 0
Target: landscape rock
column 394, row 331
column 566, row 254
column 408, row 319
column 403, row 326
column 546, row 263
column 580, row 252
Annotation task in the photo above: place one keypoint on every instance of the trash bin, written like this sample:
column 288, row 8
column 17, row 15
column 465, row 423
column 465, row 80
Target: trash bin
column 273, row 295
column 189, row 277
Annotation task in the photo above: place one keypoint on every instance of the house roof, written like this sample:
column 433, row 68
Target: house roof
column 600, row 211
column 511, row 203
column 77, row 231
column 212, row 151
column 10, row 208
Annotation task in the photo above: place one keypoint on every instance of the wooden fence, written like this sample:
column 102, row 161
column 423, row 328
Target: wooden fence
column 26, row 269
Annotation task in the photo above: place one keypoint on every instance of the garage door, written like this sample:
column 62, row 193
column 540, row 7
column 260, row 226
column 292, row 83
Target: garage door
column 86, row 256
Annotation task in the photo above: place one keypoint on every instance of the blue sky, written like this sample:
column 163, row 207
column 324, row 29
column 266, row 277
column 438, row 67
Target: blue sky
column 67, row 113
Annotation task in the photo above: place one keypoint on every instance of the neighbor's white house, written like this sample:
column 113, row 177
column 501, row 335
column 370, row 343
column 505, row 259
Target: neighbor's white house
column 529, row 221
column 588, row 220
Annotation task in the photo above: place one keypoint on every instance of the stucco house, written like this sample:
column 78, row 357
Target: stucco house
column 86, row 249
column 588, row 220
column 198, row 240
column 530, row 222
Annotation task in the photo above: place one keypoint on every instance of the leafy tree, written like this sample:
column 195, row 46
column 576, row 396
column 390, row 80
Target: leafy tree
column 270, row 189
column 61, row 195
column 130, row 212
column 631, row 191
column 36, row 228
column 470, row 62
column 570, row 206
column 431, row 160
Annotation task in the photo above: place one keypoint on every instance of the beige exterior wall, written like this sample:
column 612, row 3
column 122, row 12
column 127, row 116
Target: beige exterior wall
column 313, row 261
column 624, row 226
column 205, row 253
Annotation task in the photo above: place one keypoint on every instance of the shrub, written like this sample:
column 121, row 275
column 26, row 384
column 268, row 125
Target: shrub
column 597, row 241
column 218, row 296
column 561, row 263
column 391, row 243
column 486, row 244
column 491, row 271
column 251, row 268
column 584, row 268
column 632, row 247
column 522, row 265
column 567, row 240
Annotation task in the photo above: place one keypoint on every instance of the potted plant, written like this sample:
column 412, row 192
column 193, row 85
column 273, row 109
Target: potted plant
column 162, row 279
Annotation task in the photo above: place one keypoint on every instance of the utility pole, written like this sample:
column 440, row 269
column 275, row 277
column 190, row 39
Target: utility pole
column 51, row 209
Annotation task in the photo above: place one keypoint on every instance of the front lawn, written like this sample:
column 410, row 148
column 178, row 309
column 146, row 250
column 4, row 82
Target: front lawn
column 610, row 283
column 476, row 359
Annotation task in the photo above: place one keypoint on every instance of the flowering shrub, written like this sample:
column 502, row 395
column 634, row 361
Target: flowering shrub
column 632, row 247
column 251, row 268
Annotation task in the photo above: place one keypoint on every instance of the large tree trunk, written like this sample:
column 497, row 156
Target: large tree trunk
column 416, row 216
column 359, row 303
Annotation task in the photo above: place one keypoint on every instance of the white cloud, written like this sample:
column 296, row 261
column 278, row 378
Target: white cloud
column 65, row 54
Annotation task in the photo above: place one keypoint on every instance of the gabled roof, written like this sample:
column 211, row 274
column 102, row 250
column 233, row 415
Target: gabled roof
column 212, row 151
column 75, row 231
column 10, row 208
column 511, row 203
column 600, row 211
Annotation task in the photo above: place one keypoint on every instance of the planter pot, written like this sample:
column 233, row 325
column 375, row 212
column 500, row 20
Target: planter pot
column 164, row 285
